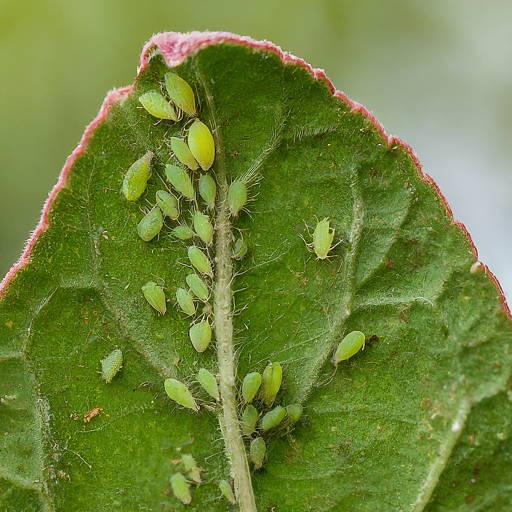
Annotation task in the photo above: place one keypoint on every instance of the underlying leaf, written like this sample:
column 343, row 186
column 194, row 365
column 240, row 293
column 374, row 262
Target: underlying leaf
column 375, row 436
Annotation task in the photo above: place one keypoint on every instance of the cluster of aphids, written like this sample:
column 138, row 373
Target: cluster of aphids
column 181, row 484
column 257, row 425
column 198, row 151
column 259, row 419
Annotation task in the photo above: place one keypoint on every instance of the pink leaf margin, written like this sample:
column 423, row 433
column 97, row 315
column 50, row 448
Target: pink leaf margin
column 176, row 47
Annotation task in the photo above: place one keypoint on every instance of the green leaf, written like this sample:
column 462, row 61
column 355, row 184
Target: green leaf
column 391, row 430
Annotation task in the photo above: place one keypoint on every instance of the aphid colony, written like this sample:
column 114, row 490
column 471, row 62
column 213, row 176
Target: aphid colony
column 186, row 175
column 181, row 484
column 196, row 153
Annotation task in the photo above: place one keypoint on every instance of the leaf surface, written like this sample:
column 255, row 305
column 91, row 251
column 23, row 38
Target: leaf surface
column 376, row 435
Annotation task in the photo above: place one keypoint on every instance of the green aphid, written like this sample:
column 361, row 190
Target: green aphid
column 168, row 204
column 183, row 154
column 180, row 180
column 272, row 378
column 257, row 452
column 151, row 224
column 208, row 190
column 351, row 344
column 200, row 335
column 203, row 227
column 178, row 392
column 199, row 260
column 111, row 365
column 136, row 177
column 250, row 386
column 237, row 197
column 185, row 301
column 181, row 488
column 273, row 418
column 198, row 287
column 294, row 412
column 190, row 466
column 208, row 383
column 157, row 105
column 201, row 144
column 155, row 295
column 227, row 491
column 322, row 239
column 181, row 93
column 249, row 420
column 240, row 249
column 182, row 232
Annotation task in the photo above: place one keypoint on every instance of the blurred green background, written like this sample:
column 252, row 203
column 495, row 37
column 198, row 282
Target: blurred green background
column 438, row 74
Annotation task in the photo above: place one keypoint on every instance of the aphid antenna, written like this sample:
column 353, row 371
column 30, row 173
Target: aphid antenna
column 159, row 278
column 201, row 317
column 239, row 311
column 164, row 183
column 184, row 264
column 328, row 380
column 239, row 345
column 309, row 246
column 308, row 227
column 238, row 289
column 184, row 129
column 216, row 454
column 145, row 210
column 261, row 264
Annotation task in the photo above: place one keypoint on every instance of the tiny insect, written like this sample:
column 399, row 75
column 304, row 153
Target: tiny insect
column 111, row 365
column 157, row 105
column 203, row 227
column 294, row 412
column 183, row 232
column 180, row 180
column 200, row 335
column 185, row 301
column 227, row 491
column 181, row 93
column 201, row 144
column 273, row 418
column 240, row 249
column 257, row 452
column 151, row 224
column 351, row 344
column 250, row 386
column 178, row 392
column 168, row 204
column 208, row 190
column 237, row 197
column 190, row 466
column 323, row 236
column 181, row 488
column 208, row 383
column 136, row 177
column 249, row 420
column 155, row 295
column 272, row 378
column 93, row 413
column 475, row 267
column 199, row 260
column 198, row 287
column 183, row 154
